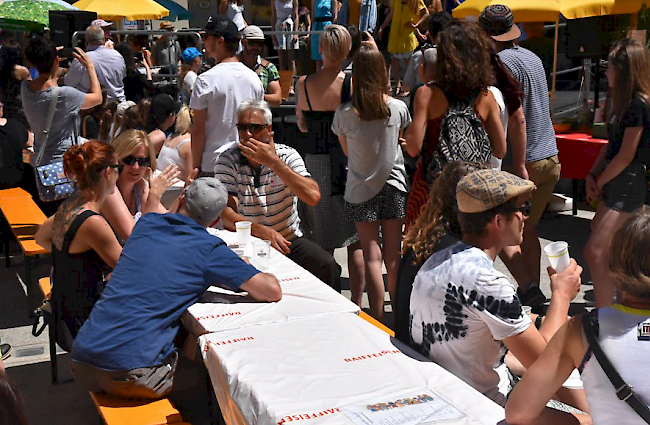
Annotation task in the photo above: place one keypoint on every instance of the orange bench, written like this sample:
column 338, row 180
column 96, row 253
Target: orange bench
column 118, row 411
column 15, row 192
column 24, row 218
column 368, row 318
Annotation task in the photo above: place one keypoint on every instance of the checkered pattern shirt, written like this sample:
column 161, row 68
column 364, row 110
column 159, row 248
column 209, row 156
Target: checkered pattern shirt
column 267, row 73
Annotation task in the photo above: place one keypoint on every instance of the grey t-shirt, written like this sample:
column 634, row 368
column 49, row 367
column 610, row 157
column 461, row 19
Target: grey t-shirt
column 374, row 155
column 37, row 105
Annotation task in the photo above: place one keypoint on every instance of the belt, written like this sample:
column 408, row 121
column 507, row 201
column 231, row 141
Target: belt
column 326, row 19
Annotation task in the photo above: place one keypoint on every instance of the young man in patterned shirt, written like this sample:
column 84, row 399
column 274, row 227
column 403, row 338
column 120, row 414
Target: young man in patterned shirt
column 253, row 43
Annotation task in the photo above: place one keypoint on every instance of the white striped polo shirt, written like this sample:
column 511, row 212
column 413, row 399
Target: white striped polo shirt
column 263, row 197
column 527, row 68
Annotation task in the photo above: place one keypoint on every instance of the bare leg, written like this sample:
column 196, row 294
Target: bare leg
column 392, row 233
column 282, row 56
column 394, row 66
column 514, row 260
column 292, row 66
column 596, row 252
column 356, row 272
column 369, row 237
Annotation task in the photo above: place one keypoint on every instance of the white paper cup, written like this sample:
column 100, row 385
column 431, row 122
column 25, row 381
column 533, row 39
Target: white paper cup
column 239, row 252
column 558, row 255
column 262, row 254
column 243, row 232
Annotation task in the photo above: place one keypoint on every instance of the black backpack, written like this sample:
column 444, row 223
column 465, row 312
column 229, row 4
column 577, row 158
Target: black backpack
column 462, row 138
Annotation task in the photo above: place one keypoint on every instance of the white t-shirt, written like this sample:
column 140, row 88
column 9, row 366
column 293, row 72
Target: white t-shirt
column 498, row 96
column 188, row 81
column 220, row 90
column 461, row 309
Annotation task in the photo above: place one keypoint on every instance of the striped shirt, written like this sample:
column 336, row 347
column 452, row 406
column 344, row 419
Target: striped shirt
column 527, row 68
column 263, row 197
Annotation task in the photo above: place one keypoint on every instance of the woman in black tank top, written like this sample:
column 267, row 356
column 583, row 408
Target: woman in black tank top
column 82, row 243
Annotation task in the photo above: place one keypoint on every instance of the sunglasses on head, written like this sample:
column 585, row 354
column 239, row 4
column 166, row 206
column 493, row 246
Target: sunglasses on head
column 253, row 128
column 143, row 161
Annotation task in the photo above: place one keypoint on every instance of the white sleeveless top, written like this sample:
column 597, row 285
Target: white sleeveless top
column 629, row 355
column 171, row 156
column 283, row 10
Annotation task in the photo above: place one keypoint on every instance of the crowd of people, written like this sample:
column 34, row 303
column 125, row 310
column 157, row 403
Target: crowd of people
column 479, row 137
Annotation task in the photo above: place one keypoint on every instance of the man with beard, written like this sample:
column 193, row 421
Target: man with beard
column 253, row 43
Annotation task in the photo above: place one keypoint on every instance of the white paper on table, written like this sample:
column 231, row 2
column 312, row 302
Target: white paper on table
column 303, row 296
column 307, row 371
column 421, row 407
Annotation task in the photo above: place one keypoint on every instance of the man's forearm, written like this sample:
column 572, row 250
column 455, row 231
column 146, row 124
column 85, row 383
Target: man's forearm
column 517, row 137
column 305, row 188
column 556, row 316
column 198, row 143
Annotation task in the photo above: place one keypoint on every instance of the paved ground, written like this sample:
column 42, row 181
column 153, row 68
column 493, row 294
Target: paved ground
column 68, row 404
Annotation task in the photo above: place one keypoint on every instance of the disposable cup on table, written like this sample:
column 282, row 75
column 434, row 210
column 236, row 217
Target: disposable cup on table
column 261, row 254
column 558, row 255
column 243, row 232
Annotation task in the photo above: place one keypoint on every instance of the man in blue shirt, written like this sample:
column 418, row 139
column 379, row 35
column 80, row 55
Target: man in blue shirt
column 126, row 347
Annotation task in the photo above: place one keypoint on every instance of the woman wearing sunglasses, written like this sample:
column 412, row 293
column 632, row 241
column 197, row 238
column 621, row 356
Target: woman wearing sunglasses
column 82, row 243
column 138, row 193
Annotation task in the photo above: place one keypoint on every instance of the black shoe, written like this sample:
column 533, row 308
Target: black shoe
column 6, row 351
column 532, row 296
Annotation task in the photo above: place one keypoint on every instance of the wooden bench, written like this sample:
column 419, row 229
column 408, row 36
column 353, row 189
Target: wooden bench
column 24, row 218
column 118, row 411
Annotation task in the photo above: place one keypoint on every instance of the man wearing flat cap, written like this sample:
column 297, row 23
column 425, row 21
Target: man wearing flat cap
column 462, row 308
column 542, row 163
column 126, row 347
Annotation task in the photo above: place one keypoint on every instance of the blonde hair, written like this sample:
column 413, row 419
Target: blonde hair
column 629, row 263
column 183, row 121
column 129, row 141
column 335, row 43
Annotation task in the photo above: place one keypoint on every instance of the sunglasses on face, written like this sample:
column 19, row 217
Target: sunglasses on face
column 255, row 42
column 143, row 161
column 252, row 128
column 524, row 209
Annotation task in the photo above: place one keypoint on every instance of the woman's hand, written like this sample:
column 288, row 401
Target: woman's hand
column 593, row 192
column 83, row 58
column 159, row 184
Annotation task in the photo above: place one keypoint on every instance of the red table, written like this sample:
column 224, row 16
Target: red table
column 577, row 153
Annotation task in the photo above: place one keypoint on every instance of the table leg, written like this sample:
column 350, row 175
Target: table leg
column 29, row 281
column 574, row 182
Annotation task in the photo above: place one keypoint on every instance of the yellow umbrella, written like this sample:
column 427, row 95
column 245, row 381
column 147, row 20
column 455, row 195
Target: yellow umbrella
column 574, row 9
column 523, row 10
column 116, row 10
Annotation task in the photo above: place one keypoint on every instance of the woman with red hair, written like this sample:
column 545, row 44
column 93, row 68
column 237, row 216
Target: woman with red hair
column 82, row 243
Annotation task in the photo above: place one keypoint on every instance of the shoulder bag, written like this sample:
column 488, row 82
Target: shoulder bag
column 51, row 182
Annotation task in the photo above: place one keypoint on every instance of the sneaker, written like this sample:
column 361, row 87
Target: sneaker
column 6, row 351
column 532, row 296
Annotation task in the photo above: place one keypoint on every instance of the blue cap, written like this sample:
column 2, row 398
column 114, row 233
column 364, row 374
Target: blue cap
column 190, row 54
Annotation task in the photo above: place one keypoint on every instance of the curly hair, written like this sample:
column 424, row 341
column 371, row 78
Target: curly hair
column 464, row 66
column 439, row 214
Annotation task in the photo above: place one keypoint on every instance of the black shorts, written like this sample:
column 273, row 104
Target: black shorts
column 388, row 204
column 627, row 191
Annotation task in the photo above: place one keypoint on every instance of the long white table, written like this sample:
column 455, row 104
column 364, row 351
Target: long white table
column 329, row 370
column 310, row 358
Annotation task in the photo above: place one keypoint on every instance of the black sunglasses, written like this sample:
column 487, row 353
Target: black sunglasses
column 256, row 42
column 143, row 161
column 252, row 127
column 524, row 209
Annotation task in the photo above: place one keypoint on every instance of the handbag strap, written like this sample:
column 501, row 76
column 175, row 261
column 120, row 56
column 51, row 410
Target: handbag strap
column 623, row 391
column 48, row 123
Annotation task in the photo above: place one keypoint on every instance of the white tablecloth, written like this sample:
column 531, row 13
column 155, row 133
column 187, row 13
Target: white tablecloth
column 314, row 370
column 303, row 296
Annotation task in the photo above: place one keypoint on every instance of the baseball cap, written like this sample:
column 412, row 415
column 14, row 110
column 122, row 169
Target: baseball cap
column 164, row 25
column 483, row 190
column 123, row 106
column 221, row 26
column 164, row 103
column 205, row 199
column 498, row 21
column 101, row 23
column 252, row 32
column 190, row 53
